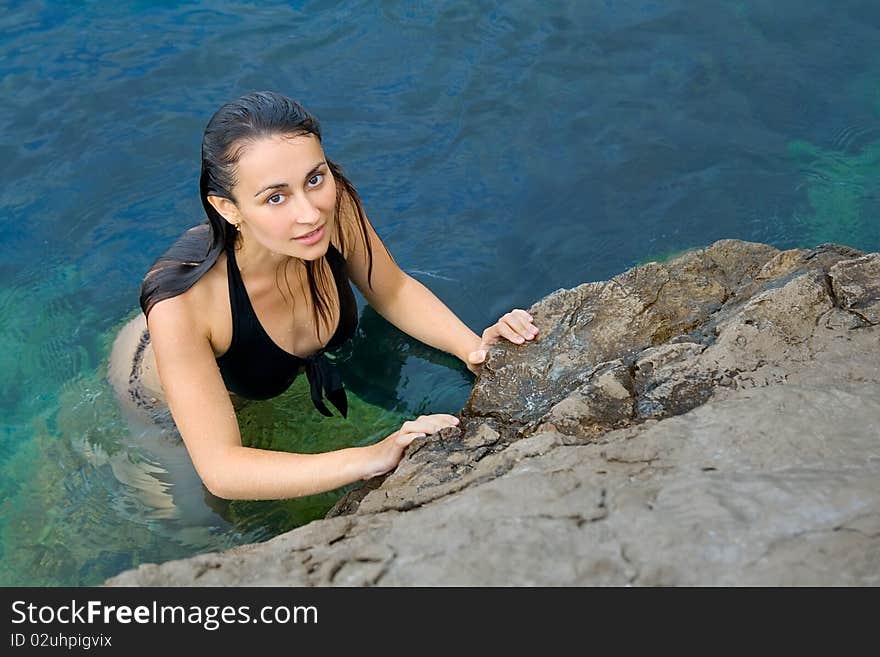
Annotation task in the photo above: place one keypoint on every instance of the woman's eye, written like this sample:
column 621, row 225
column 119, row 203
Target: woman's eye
column 274, row 196
column 315, row 180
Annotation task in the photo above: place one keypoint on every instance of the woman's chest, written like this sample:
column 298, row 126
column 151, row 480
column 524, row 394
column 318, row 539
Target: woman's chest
column 281, row 312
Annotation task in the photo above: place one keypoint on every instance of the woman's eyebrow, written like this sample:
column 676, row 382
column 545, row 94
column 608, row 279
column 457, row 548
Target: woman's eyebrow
column 280, row 185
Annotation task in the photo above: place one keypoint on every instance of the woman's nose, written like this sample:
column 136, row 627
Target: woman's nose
column 307, row 213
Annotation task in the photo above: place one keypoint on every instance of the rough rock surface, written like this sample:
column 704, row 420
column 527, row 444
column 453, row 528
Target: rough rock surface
column 713, row 420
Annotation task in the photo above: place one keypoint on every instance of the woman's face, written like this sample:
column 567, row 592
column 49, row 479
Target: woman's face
column 286, row 195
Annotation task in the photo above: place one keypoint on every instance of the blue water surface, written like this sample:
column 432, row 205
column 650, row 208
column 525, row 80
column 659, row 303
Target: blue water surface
column 503, row 150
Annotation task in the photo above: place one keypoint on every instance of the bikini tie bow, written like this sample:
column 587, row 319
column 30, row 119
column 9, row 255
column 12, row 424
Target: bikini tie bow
column 325, row 378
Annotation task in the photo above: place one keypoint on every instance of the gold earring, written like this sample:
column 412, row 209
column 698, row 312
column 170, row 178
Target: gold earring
column 238, row 227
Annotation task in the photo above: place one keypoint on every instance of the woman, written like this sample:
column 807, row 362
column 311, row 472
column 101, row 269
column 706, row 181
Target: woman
column 243, row 304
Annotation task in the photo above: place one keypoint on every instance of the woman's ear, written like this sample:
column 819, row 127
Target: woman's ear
column 226, row 208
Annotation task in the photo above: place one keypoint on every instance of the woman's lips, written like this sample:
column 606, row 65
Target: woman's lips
column 312, row 237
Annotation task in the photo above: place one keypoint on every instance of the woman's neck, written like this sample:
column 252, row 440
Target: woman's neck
column 259, row 262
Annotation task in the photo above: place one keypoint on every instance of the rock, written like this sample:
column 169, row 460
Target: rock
column 856, row 285
column 605, row 401
column 712, row 420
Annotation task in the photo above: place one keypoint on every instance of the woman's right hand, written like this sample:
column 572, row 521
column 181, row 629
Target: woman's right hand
column 386, row 454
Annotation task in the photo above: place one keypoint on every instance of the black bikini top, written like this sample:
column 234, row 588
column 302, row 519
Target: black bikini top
column 257, row 368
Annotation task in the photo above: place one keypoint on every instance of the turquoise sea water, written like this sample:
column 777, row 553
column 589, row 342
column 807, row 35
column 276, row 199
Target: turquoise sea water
column 503, row 150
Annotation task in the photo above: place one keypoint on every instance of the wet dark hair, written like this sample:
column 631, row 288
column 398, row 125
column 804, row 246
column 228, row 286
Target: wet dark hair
column 248, row 118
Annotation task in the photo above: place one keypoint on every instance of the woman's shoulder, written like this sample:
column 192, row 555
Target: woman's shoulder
column 195, row 309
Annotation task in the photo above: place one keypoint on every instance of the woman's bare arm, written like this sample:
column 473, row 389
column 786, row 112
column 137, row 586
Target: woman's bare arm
column 415, row 310
column 402, row 300
column 203, row 413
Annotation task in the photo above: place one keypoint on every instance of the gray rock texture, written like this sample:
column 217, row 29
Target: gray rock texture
column 712, row 420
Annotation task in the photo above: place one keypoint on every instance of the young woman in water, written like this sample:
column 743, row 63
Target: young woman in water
column 242, row 304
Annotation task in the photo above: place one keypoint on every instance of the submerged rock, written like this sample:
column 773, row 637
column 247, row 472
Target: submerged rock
column 712, row 420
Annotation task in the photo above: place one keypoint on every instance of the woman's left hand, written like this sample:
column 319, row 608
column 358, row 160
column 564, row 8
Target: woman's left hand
column 515, row 326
